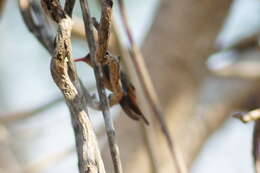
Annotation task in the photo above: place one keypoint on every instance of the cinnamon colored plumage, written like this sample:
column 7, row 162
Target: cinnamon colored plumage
column 128, row 100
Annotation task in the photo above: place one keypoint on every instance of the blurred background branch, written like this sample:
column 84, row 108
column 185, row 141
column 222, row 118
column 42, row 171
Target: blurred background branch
column 2, row 3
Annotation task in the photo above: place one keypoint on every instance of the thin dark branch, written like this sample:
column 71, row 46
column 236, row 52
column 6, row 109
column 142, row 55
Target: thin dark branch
column 107, row 6
column 149, row 92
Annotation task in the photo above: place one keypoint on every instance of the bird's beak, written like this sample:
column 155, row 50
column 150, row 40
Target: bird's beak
column 80, row 59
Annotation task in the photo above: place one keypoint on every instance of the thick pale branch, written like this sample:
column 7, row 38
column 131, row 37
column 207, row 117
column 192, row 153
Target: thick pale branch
column 64, row 75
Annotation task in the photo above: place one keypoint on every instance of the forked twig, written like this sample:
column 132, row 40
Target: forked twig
column 149, row 92
column 96, row 55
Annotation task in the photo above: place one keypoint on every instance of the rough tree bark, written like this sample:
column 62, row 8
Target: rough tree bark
column 195, row 102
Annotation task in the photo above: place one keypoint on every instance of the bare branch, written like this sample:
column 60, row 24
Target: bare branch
column 64, row 75
column 149, row 92
column 105, row 25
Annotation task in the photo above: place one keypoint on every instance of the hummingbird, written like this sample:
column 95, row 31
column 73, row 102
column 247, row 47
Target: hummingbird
column 123, row 92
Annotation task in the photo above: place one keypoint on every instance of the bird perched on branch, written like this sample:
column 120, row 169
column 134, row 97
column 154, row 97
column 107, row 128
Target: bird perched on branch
column 115, row 80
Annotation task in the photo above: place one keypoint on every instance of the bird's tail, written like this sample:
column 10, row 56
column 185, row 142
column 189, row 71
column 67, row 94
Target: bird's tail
column 128, row 102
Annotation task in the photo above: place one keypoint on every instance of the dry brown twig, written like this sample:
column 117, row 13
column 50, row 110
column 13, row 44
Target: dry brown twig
column 65, row 77
column 97, row 54
column 148, row 90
